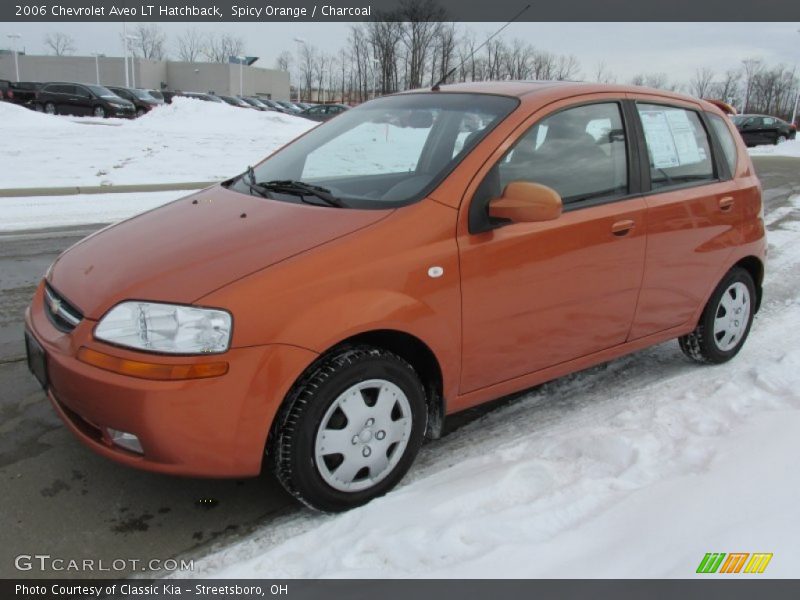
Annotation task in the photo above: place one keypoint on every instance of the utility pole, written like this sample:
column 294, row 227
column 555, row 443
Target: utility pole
column 16, row 37
column 97, row 66
column 300, row 42
column 125, row 51
column 241, row 60
column 131, row 38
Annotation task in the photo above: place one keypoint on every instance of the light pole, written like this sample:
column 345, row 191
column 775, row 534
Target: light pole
column 375, row 64
column 300, row 42
column 796, row 102
column 16, row 37
column 97, row 66
column 125, row 51
column 131, row 38
column 241, row 60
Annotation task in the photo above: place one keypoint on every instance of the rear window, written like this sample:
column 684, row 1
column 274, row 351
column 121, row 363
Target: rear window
column 726, row 140
column 678, row 147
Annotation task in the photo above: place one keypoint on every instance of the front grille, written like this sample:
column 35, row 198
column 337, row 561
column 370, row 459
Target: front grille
column 62, row 314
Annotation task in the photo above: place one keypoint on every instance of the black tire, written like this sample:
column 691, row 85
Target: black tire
column 292, row 443
column 141, row 112
column 702, row 345
column 50, row 108
column 780, row 139
column 99, row 111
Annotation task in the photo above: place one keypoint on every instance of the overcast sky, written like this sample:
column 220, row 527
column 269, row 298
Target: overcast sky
column 676, row 49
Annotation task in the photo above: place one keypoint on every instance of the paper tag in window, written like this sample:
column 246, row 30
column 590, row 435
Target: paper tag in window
column 660, row 143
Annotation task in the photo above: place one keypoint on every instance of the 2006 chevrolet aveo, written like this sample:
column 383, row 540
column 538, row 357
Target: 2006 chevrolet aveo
column 414, row 257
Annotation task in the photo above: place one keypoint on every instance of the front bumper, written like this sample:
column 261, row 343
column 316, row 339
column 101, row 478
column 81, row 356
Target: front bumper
column 214, row 427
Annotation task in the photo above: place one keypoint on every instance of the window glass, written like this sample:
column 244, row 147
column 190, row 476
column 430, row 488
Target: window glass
column 769, row 121
column 579, row 152
column 677, row 145
column 725, row 139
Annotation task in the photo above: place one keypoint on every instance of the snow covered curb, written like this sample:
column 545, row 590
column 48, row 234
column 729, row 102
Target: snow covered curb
column 790, row 148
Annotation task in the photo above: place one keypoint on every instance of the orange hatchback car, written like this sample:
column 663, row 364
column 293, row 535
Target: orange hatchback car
column 416, row 256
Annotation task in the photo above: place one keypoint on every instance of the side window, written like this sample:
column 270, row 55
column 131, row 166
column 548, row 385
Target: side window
column 725, row 140
column 579, row 152
column 82, row 92
column 768, row 122
column 677, row 145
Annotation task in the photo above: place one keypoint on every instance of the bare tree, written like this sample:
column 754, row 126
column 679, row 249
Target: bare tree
column 61, row 44
column 603, row 74
column 284, row 61
column 191, row 45
column 702, row 83
column 220, row 48
column 306, row 61
column 752, row 66
column 150, row 41
column 422, row 20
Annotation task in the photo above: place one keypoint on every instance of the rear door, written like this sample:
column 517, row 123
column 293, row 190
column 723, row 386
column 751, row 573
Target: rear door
column 84, row 100
column 538, row 294
column 693, row 205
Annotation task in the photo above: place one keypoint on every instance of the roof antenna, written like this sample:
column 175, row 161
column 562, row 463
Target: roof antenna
column 438, row 84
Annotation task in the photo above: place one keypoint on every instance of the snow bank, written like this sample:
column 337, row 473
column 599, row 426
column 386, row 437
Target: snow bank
column 15, row 118
column 189, row 140
column 636, row 468
column 790, row 148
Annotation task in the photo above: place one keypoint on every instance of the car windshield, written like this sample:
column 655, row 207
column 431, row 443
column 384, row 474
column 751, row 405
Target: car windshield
column 155, row 94
column 388, row 152
column 143, row 95
column 101, row 91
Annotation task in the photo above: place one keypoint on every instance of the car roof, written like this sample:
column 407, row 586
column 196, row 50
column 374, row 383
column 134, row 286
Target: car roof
column 529, row 90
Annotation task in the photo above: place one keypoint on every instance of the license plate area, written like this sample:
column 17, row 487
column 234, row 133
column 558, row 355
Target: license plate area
column 37, row 360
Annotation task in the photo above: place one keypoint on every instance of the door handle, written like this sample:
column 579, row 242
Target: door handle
column 621, row 228
column 726, row 203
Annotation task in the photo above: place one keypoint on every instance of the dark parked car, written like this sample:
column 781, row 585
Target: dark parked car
column 24, row 92
column 275, row 106
column 143, row 100
column 82, row 99
column 323, row 112
column 257, row 103
column 200, row 96
column 233, row 101
column 763, row 129
column 292, row 108
column 5, row 90
column 169, row 95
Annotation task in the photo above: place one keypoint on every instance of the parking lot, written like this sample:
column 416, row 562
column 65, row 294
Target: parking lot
column 62, row 500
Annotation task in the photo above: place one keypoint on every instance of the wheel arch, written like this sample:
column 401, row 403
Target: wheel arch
column 754, row 266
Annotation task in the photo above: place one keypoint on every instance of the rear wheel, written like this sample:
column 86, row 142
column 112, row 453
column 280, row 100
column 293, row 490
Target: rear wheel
column 99, row 111
column 725, row 322
column 350, row 429
column 49, row 108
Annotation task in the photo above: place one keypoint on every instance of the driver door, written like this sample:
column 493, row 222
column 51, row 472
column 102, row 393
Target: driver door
column 538, row 294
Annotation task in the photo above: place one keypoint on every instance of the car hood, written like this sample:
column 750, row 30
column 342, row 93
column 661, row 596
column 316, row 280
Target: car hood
column 193, row 246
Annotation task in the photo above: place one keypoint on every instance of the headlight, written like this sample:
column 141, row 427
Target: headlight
column 167, row 328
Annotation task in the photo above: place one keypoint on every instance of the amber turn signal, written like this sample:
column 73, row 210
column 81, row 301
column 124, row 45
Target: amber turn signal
column 145, row 370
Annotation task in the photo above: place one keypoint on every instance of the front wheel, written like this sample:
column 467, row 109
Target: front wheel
column 99, row 111
column 350, row 429
column 725, row 322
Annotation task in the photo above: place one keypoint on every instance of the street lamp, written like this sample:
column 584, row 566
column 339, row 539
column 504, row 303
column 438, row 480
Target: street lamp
column 15, row 37
column 97, row 65
column 241, row 60
column 796, row 102
column 131, row 38
column 300, row 42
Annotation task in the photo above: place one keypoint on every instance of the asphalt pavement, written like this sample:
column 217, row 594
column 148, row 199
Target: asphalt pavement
column 60, row 499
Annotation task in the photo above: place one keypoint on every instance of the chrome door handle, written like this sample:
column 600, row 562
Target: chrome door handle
column 726, row 203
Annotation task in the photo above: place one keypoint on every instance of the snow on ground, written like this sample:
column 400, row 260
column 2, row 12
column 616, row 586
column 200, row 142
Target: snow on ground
column 790, row 148
column 188, row 140
column 636, row 468
column 57, row 211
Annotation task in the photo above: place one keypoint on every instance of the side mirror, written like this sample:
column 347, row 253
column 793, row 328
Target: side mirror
column 526, row 202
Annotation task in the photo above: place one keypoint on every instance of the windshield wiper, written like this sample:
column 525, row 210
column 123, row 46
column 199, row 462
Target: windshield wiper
column 249, row 179
column 301, row 189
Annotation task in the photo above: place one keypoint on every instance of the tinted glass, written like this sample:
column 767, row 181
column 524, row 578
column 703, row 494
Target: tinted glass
column 677, row 145
column 725, row 139
column 579, row 152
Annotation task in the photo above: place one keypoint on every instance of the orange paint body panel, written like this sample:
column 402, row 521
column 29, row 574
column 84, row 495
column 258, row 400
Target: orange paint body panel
column 500, row 310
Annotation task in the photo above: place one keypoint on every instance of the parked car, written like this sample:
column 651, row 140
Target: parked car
column 324, row 313
column 256, row 103
column 169, row 95
column 143, row 100
column 275, row 106
column 289, row 106
column 82, row 99
column 5, row 90
column 201, row 96
column 19, row 92
column 763, row 129
column 323, row 112
column 233, row 101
